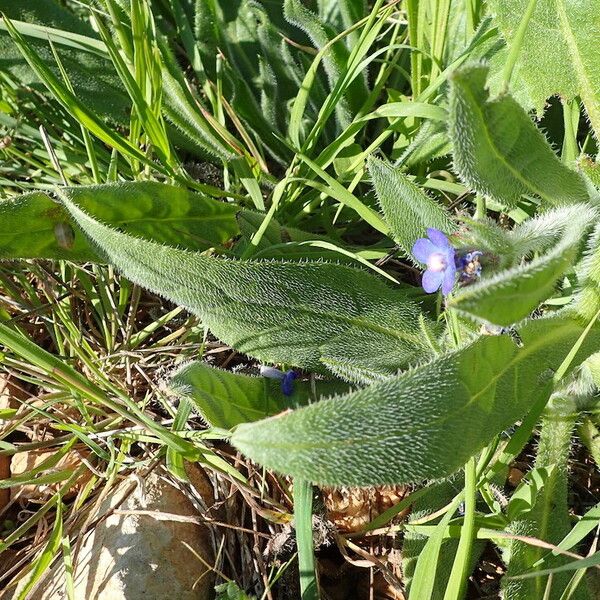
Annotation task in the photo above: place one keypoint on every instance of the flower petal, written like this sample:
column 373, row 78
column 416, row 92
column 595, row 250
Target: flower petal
column 422, row 249
column 287, row 383
column 450, row 256
column 432, row 280
column 271, row 372
column 438, row 237
column 449, row 280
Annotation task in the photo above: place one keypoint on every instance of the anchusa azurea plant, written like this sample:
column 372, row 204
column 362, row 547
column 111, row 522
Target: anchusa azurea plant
column 410, row 256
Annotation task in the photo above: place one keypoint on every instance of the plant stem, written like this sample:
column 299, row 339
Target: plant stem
column 441, row 13
column 480, row 207
column 570, row 114
column 303, row 500
column 416, row 57
column 462, row 563
column 552, row 507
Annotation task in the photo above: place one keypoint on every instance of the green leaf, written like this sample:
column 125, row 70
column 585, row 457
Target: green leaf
column 184, row 112
column 86, row 63
column 335, row 59
column 587, row 300
column 81, row 111
column 278, row 312
column 499, row 152
column 584, row 563
column 421, row 424
column 559, row 54
column 303, row 524
column 225, row 399
column 512, row 294
column 231, row 591
column 248, row 180
column 407, row 209
column 42, row 563
column 591, row 170
column 423, row 581
column 36, row 226
column 526, row 495
column 339, row 192
column 430, row 142
column 587, row 523
column 152, row 125
column 364, row 355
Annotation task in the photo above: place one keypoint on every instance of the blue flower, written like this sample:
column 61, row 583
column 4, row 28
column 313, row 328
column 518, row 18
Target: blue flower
column 287, row 383
column 287, row 378
column 437, row 253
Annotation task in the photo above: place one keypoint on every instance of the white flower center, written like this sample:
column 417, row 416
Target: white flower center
column 437, row 262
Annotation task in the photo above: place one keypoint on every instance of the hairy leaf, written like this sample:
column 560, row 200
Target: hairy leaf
column 36, row 226
column 560, row 54
column 225, row 399
column 512, row 294
column 407, row 209
column 90, row 72
column 277, row 312
column 499, row 152
column 422, row 424
column 587, row 301
column 182, row 110
column 335, row 59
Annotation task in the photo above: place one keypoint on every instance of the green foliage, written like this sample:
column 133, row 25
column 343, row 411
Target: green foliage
column 37, row 226
column 407, row 209
column 510, row 295
column 94, row 80
column 303, row 524
column 588, row 296
column 498, row 150
column 425, row 582
column 423, row 424
column 63, row 91
column 559, row 55
column 292, row 313
column 231, row 591
column 181, row 111
column 540, row 506
column 291, row 102
column 225, row 399
column 335, row 58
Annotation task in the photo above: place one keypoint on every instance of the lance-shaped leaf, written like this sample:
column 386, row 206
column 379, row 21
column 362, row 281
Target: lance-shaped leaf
column 36, row 226
column 407, row 209
column 225, row 399
column 512, row 294
column 278, row 312
column 499, row 152
column 560, row 54
column 424, row 423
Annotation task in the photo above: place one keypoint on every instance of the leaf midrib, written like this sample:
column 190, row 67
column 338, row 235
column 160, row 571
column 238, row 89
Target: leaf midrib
column 526, row 351
column 305, row 310
column 517, row 174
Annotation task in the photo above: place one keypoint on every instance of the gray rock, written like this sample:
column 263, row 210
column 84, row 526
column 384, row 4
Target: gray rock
column 139, row 550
